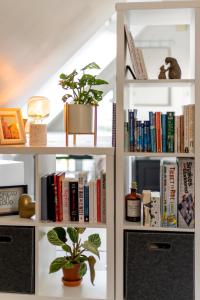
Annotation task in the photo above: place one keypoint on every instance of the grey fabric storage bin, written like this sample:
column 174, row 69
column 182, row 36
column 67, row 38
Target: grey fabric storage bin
column 17, row 259
column 159, row 266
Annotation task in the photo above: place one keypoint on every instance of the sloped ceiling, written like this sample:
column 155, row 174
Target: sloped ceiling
column 38, row 36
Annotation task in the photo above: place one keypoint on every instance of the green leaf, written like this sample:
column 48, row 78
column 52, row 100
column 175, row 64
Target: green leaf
column 83, row 269
column 57, row 264
column 90, row 247
column 99, row 82
column 66, row 97
column 90, row 66
column 61, row 233
column 63, row 76
column 68, row 265
column 73, row 234
column 95, row 240
column 80, row 229
column 53, row 238
column 67, row 248
column 92, row 262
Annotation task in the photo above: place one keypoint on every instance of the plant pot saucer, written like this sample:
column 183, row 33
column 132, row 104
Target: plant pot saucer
column 71, row 283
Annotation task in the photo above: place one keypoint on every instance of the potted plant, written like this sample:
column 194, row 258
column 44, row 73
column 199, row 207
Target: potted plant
column 82, row 96
column 74, row 263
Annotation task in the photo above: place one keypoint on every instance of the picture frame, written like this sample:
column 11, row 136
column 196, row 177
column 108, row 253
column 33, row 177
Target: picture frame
column 9, row 199
column 12, row 130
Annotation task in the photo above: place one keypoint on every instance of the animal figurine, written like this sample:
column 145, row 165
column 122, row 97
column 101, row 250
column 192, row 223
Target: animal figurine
column 162, row 74
column 174, row 70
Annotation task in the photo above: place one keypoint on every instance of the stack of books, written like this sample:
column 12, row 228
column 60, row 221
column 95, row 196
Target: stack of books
column 173, row 205
column 73, row 199
column 161, row 133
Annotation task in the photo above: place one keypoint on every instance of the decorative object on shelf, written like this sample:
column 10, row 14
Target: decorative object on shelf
column 162, row 74
column 81, row 115
column 9, row 199
column 11, row 126
column 26, row 206
column 38, row 109
column 174, row 70
column 74, row 263
column 133, row 205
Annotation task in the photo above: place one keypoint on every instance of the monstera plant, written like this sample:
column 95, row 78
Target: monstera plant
column 76, row 261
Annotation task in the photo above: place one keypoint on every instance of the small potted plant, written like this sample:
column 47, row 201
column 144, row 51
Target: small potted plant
column 74, row 263
column 81, row 98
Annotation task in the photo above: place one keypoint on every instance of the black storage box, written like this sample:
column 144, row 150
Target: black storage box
column 17, row 259
column 159, row 266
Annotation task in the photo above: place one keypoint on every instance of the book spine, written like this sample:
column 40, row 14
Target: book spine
column 99, row 200
column 146, row 196
column 172, row 195
column 178, row 133
column 142, row 137
column 170, row 131
column 186, row 130
column 131, row 130
column 103, row 198
column 126, row 135
column 186, row 201
column 164, row 132
column 114, row 125
column 86, row 203
column 155, row 209
column 146, row 136
column 91, row 201
column 152, row 131
column 60, row 177
column 73, row 192
column 137, row 137
column 164, row 207
column 158, row 131
column 65, row 198
column 81, row 182
column 56, row 197
column 44, row 215
column 95, row 200
column 191, row 124
column 135, row 129
column 182, row 134
column 175, row 134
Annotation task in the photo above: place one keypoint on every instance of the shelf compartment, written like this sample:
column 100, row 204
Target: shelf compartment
column 159, row 154
column 137, row 226
column 160, row 83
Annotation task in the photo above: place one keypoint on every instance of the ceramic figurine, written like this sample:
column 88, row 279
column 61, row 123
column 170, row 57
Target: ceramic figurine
column 162, row 74
column 174, row 70
column 26, row 206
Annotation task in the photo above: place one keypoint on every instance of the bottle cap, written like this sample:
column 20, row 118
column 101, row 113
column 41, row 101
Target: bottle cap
column 134, row 185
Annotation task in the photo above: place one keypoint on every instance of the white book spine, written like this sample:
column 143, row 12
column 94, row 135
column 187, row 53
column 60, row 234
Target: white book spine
column 155, row 209
column 82, row 179
column 65, row 198
column 172, row 175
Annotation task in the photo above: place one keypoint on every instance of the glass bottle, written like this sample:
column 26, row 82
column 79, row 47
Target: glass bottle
column 133, row 205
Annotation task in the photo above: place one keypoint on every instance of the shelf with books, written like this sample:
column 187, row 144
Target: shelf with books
column 160, row 83
column 158, row 154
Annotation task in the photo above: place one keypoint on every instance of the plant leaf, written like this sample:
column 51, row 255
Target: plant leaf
column 73, row 234
column 90, row 66
column 53, row 238
column 68, row 265
column 61, row 233
column 57, row 264
column 99, row 82
column 67, row 248
column 92, row 262
column 95, row 239
column 80, row 229
column 90, row 247
column 83, row 269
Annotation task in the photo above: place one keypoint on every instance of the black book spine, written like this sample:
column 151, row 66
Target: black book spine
column 73, row 198
column 51, row 198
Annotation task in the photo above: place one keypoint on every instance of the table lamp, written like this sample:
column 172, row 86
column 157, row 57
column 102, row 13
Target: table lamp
column 38, row 109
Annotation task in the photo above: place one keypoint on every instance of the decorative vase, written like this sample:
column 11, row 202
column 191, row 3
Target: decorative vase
column 71, row 277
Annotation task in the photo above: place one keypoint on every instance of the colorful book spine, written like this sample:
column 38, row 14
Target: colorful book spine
column 65, row 198
column 131, row 123
column 186, row 201
column 73, row 196
column 91, row 201
column 82, row 179
column 137, row 137
column 60, row 177
column 145, row 139
column 142, row 137
column 158, row 132
column 103, row 197
column 155, row 210
column 164, row 132
column 170, row 132
column 86, row 203
column 172, row 190
column 164, row 207
column 152, row 131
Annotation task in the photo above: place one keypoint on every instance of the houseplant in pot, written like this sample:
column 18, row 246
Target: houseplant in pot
column 81, row 100
column 76, row 261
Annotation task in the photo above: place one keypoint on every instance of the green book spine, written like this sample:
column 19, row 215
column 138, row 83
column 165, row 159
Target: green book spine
column 170, row 131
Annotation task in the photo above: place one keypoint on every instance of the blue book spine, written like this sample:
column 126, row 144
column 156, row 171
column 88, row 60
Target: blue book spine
column 131, row 126
column 145, row 136
column 138, row 124
column 86, row 203
column 152, row 131
column 164, row 132
column 135, row 129
column 141, row 130
column 148, row 136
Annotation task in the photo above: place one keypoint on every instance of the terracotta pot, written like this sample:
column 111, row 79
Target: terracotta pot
column 71, row 277
column 80, row 118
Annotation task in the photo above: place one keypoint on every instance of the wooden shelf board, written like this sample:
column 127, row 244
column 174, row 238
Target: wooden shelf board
column 138, row 226
column 15, row 220
column 157, row 154
column 160, row 83
column 50, row 285
column 72, row 224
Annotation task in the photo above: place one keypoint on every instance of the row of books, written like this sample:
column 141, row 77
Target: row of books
column 173, row 206
column 161, row 133
column 136, row 55
column 73, row 199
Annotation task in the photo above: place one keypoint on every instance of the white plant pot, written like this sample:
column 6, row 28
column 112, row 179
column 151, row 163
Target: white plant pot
column 80, row 119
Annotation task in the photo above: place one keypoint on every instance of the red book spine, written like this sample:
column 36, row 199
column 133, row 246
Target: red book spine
column 158, row 132
column 59, row 197
column 98, row 200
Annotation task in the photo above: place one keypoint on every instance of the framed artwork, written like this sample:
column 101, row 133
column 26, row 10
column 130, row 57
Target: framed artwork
column 11, row 127
column 9, row 198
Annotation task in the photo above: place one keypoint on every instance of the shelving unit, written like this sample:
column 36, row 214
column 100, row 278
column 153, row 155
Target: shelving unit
column 50, row 286
column 142, row 14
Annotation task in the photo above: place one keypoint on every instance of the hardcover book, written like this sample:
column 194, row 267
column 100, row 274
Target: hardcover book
column 73, row 196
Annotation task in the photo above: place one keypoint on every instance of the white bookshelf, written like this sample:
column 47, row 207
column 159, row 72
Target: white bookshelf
column 48, row 286
column 143, row 14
